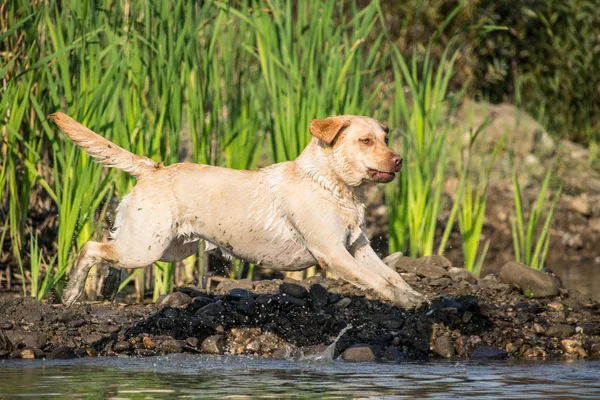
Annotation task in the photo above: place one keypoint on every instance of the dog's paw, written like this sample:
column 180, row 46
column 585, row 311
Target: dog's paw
column 409, row 299
column 70, row 295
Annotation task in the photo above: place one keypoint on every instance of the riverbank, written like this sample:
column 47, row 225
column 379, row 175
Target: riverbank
column 518, row 313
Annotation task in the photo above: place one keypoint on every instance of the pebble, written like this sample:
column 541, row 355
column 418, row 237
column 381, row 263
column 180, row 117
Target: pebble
column 461, row 274
column 253, row 346
column 571, row 346
column 293, row 290
column 595, row 350
column 171, row 346
column 358, row 353
column 214, row 344
column 294, row 300
column 227, row 284
column 121, row 346
column 27, row 353
column 531, row 282
column 239, row 293
column 393, row 354
column 488, row 353
column 175, row 300
column 318, row 296
column 148, row 343
column 555, row 305
column 443, row 347
column 6, row 326
column 192, row 342
column 538, row 328
column 247, row 305
column 62, row 353
column 592, row 329
column 192, row 291
column 344, row 302
column 26, row 339
column 560, row 330
column 212, row 309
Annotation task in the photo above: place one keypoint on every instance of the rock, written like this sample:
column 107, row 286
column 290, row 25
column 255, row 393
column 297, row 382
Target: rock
column 27, row 353
column 443, row 347
column 192, row 291
column 62, row 353
column 595, row 350
column 212, row 309
column 175, row 300
column 227, row 284
column 26, row 339
column 437, row 260
column 488, row 353
column 560, row 330
column 358, row 353
column 148, row 343
column 392, row 322
column 6, row 325
column 344, row 302
column 192, row 342
column 429, row 267
column 93, row 339
column 538, row 328
column 491, row 282
column 269, row 286
column 393, row 354
column 239, row 293
column 76, row 323
column 571, row 346
column 294, row 300
column 253, row 346
column 318, row 296
column 170, row 346
column 439, row 282
column 247, row 305
column 121, row 346
column 592, row 328
column 461, row 274
column 534, row 352
column 214, row 344
column 531, row 282
column 580, row 204
column 144, row 353
column 291, row 289
column 555, row 305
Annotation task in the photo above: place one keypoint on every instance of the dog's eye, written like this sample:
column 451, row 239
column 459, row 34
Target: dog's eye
column 387, row 140
column 366, row 140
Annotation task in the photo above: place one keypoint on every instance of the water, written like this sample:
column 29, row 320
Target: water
column 209, row 377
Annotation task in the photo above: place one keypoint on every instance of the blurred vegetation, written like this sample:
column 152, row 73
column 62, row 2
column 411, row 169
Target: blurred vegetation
column 546, row 60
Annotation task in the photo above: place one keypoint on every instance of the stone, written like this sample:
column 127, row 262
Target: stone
column 294, row 301
column 192, row 342
column 212, row 309
column 461, row 274
column 560, row 330
column 254, row 346
column 93, row 339
column 6, row 325
column 392, row 322
column 538, row 328
column 488, row 353
column 592, row 328
column 571, row 346
column 429, row 267
column 76, row 323
column 555, row 305
column 531, row 282
column 239, row 293
column 214, row 344
column 443, row 347
column 26, row 339
column 491, row 282
column 148, row 343
column 62, row 353
column 227, row 284
column 344, row 302
column 580, row 204
column 121, row 346
column 247, row 305
column 192, row 291
column 440, row 282
column 292, row 289
column 170, row 346
column 595, row 350
column 359, row 353
column 318, row 296
column 175, row 300
column 393, row 354
column 27, row 353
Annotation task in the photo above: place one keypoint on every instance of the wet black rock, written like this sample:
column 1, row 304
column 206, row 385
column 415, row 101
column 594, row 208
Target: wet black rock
column 192, row 291
column 293, row 290
column 318, row 296
column 531, row 282
column 247, row 305
column 212, row 309
column 393, row 354
column 358, row 353
column 443, row 347
column 62, row 353
column 175, row 300
column 560, row 331
column 294, row 301
column 488, row 353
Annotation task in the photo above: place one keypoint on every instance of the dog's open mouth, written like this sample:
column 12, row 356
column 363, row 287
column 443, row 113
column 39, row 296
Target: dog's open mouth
column 381, row 176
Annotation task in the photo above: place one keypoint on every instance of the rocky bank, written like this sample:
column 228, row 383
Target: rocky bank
column 519, row 313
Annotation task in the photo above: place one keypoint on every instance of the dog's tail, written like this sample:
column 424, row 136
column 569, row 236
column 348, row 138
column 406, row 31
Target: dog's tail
column 104, row 150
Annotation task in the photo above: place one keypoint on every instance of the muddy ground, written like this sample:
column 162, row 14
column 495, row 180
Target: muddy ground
column 467, row 319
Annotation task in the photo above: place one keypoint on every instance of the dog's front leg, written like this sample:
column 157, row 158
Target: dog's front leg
column 403, row 293
column 343, row 264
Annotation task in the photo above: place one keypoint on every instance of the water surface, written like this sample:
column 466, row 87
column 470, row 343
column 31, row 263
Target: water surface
column 206, row 377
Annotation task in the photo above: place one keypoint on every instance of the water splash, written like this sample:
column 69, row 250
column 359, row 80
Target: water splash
column 327, row 355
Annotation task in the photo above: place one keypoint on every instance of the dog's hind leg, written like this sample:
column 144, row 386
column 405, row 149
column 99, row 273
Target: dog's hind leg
column 110, row 285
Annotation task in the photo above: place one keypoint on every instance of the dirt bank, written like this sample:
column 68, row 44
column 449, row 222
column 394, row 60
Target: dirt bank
column 466, row 319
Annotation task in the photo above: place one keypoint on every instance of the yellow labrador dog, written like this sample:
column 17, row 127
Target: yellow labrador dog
column 288, row 216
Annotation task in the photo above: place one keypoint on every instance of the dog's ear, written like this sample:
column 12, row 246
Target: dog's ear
column 327, row 129
column 385, row 128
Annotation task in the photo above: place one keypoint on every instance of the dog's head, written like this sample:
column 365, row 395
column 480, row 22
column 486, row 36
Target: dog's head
column 358, row 148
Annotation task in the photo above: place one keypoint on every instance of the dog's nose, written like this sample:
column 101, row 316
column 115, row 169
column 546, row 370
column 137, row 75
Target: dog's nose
column 397, row 160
